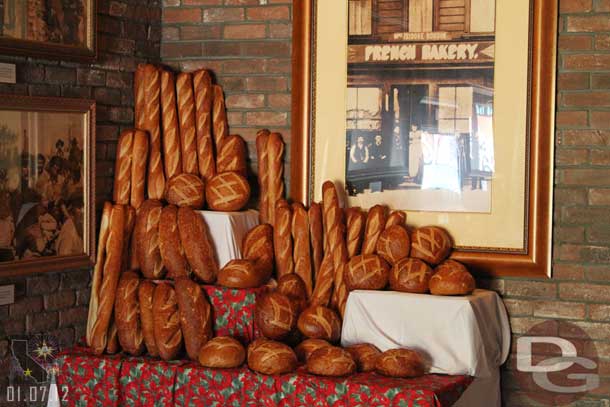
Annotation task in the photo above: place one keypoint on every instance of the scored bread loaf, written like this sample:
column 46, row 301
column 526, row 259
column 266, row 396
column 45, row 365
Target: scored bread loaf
column 204, row 98
column 292, row 286
column 257, row 246
column 375, row 223
column 195, row 316
column 232, row 156
column 451, row 278
column 122, row 169
column 243, row 274
column 227, row 192
column 365, row 355
column 366, row 272
column 393, row 244
column 301, row 250
column 323, row 289
column 316, row 235
column 147, row 90
column 222, row 352
column 185, row 190
column 139, row 161
column 106, row 278
column 270, row 357
column 146, row 291
column 262, row 137
column 172, row 156
column 275, row 171
column 113, row 345
column 166, row 321
column 127, row 314
column 396, row 218
column 197, row 246
column 282, row 240
column 170, row 247
column 410, row 276
column 186, row 114
column 275, row 315
column 355, row 230
column 130, row 222
column 320, row 323
column 400, row 363
column 147, row 239
column 219, row 117
column 304, row 349
column 430, row 244
column 331, row 361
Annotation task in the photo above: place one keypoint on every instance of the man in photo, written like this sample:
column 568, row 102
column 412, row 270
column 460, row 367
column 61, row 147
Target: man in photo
column 359, row 152
column 377, row 149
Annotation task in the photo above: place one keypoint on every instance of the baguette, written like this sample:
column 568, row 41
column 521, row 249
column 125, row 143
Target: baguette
column 147, row 90
column 355, row 231
column 122, row 170
column 316, row 234
column 323, row 288
column 396, row 218
column 375, row 223
column 262, row 137
column 169, row 120
column 302, row 255
column 146, row 291
column 166, row 321
column 204, row 98
column 186, row 113
column 195, row 316
column 127, row 314
column 130, row 223
column 113, row 346
column 232, row 156
column 197, row 245
column 219, row 118
column 147, row 240
column 139, row 162
column 275, row 170
column 170, row 247
column 282, row 241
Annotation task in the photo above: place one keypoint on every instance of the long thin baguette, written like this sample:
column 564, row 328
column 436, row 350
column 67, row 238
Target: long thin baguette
column 172, row 156
column 204, row 98
column 122, row 169
column 186, row 113
column 275, row 168
column 219, row 118
column 262, row 137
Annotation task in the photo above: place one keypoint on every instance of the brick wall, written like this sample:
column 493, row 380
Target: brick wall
column 128, row 33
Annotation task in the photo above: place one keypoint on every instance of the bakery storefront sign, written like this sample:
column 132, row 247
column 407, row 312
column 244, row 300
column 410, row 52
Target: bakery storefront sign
column 422, row 53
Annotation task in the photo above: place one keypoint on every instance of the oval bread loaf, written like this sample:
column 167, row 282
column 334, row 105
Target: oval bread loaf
column 291, row 285
column 309, row 346
column 195, row 315
column 185, row 190
column 147, row 239
column 366, row 272
column 170, row 247
column 430, row 244
column 222, row 352
column 410, row 276
column 331, row 361
column 127, row 314
column 394, row 244
column 242, row 274
column 365, row 355
column 257, row 246
column 451, row 278
column 145, row 297
column 400, row 363
column 166, row 323
column 270, row 357
column 275, row 315
column 197, row 245
column 320, row 323
column 227, row 192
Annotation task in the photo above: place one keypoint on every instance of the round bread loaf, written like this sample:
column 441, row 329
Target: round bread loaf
column 292, row 286
column 270, row 357
column 451, row 278
column 410, row 276
column 222, row 352
column 365, row 355
column 331, row 361
column 400, row 363
column 320, row 323
column 308, row 346
column 242, row 274
column 430, row 244
column 227, row 192
column 258, row 247
column 185, row 190
column 275, row 315
column 394, row 244
column 366, row 272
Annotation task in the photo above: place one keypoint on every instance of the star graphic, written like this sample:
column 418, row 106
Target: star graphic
column 27, row 372
column 44, row 350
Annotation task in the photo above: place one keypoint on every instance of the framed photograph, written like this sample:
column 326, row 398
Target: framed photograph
column 443, row 109
column 47, row 184
column 55, row 29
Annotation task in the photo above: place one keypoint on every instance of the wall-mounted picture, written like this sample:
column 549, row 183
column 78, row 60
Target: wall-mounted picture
column 46, row 182
column 61, row 29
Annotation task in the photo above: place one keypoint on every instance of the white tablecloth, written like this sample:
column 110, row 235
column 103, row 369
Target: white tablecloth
column 457, row 335
column 227, row 230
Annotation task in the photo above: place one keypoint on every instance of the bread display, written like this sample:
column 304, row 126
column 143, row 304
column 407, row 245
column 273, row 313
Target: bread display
column 147, row 88
column 166, row 321
column 320, row 323
column 375, row 223
column 222, row 352
column 186, row 115
column 292, row 286
column 105, row 276
column 356, row 220
column 365, row 355
column 282, row 240
column 270, row 357
column 394, row 244
column 400, row 363
column 367, row 272
column 275, row 315
column 301, row 248
column 197, row 245
column 262, row 137
column 139, row 162
column 146, row 291
column 451, row 278
column 195, row 316
column 204, row 98
column 257, row 246
column 396, row 218
column 316, row 235
column 172, row 155
column 331, row 361
column 430, row 244
column 127, row 314
column 243, row 274
column 147, row 240
column 323, row 288
column 232, row 156
column 304, row 349
column 227, row 192
column 275, row 171
column 185, row 190
column 121, row 193
column 410, row 276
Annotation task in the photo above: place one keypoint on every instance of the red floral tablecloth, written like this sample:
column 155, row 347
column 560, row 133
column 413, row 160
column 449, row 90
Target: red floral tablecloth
column 89, row 380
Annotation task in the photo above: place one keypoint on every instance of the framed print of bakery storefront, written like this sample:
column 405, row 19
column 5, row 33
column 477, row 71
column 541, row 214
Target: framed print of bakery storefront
column 441, row 108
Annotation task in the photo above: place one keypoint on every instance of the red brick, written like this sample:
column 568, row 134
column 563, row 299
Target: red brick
column 222, row 48
column 200, row 32
column 573, row 80
column 24, row 306
column 584, row 253
column 241, row 2
column 521, row 325
column 601, row 81
column 586, row 61
column 222, row 15
column 42, row 284
column 588, row 23
column 575, row 6
column 598, row 234
column 181, row 49
column 598, row 273
column 568, row 272
column 600, row 119
column 280, row 30
column 592, row 330
column 246, row 66
column 584, row 292
column 602, row 41
column 565, row 157
column 570, row 196
column 72, row 316
column 599, row 196
column 571, row 118
column 245, row 101
column 267, row 13
column 59, row 300
column 170, row 33
column 181, row 15
column 586, row 176
column 585, row 215
column 263, row 83
column 585, row 138
column 517, row 308
column 265, row 48
column 599, row 312
column 245, row 31
column 75, row 279
column 522, row 288
column 602, row 6
column 279, row 101
column 202, row 2
column 41, row 322
column 575, row 42
column 558, row 309
column 569, row 234
column 600, row 157
column 235, row 118
column 266, row 118
column 586, row 99
column 278, row 65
